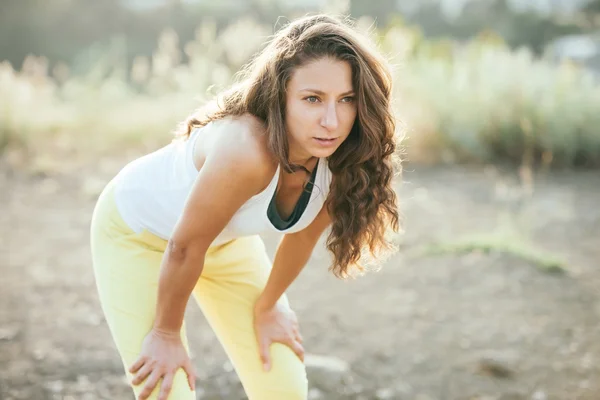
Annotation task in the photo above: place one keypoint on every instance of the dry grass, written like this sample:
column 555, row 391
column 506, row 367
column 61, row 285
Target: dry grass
column 477, row 102
column 516, row 247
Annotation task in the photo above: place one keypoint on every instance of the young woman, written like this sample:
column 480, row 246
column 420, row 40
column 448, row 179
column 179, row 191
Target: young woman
column 303, row 142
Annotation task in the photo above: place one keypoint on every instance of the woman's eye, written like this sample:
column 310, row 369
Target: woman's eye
column 312, row 99
column 348, row 99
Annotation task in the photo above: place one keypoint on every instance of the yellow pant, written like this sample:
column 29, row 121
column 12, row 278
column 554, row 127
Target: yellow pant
column 126, row 268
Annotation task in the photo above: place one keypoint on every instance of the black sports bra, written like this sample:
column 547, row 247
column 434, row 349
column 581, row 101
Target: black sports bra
column 273, row 214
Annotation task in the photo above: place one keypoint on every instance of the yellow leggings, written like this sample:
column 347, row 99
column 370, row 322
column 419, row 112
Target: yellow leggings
column 126, row 268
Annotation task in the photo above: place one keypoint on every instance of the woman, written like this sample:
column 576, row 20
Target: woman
column 303, row 142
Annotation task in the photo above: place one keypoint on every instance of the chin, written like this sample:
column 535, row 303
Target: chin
column 322, row 153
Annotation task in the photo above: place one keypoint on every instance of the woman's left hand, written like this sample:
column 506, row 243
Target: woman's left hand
column 277, row 324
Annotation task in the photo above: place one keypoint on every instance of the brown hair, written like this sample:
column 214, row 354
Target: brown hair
column 361, row 202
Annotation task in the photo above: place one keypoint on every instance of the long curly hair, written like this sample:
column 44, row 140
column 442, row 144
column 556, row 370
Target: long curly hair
column 361, row 202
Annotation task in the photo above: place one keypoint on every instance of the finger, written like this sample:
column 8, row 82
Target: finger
column 137, row 364
column 299, row 337
column 191, row 375
column 264, row 354
column 142, row 374
column 165, row 387
column 150, row 385
column 298, row 349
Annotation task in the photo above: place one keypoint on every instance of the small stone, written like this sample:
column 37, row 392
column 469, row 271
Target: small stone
column 587, row 361
column 539, row 395
column 584, row 384
column 326, row 373
column 499, row 365
column 92, row 187
column 324, row 363
column 9, row 332
column 39, row 354
column 228, row 366
column 495, row 369
column 404, row 389
column 418, row 359
column 84, row 384
column 384, row 394
column 55, row 386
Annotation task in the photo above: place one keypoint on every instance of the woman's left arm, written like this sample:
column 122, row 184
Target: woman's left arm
column 291, row 256
column 273, row 321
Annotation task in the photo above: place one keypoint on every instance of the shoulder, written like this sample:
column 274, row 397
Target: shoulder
column 241, row 142
column 246, row 128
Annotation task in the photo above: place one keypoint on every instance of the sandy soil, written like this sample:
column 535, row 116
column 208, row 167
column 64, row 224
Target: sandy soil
column 477, row 325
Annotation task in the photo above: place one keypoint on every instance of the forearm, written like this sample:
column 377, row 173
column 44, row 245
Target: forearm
column 290, row 258
column 179, row 273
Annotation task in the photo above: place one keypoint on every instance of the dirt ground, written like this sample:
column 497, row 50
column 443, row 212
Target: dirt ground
column 451, row 326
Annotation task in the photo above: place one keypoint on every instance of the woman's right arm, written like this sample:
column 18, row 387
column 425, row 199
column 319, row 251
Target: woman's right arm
column 235, row 169
column 232, row 172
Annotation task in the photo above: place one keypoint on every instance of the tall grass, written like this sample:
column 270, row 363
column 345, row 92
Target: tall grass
column 477, row 101
column 481, row 101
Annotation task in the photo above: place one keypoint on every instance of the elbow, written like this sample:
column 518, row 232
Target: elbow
column 181, row 252
column 177, row 251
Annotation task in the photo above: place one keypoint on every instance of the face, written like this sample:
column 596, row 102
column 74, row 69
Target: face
column 321, row 108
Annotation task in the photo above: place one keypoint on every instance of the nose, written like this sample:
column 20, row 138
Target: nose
column 329, row 120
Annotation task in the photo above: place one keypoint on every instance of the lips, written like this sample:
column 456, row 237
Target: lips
column 326, row 142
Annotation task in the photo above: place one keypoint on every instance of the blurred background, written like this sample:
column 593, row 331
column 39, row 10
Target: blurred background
column 495, row 292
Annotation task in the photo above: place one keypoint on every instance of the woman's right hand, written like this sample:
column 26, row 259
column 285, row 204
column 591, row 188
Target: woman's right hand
column 161, row 356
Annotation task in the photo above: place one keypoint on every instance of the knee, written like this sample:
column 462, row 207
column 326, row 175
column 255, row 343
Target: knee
column 293, row 387
column 286, row 379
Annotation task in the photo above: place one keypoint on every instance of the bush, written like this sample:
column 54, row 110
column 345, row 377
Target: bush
column 483, row 102
column 474, row 102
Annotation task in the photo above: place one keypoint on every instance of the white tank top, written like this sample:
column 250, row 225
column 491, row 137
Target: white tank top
column 151, row 192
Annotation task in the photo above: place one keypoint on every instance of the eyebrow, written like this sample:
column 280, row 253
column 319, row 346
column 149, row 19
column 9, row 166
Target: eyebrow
column 320, row 92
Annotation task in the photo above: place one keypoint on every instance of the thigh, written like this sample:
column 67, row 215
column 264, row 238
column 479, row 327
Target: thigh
column 126, row 268
column 234, row 275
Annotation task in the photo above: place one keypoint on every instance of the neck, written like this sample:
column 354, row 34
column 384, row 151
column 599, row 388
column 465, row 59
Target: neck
column 299, row 158
column 304, row 162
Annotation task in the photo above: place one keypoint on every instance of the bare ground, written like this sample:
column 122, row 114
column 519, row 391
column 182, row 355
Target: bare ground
column 477, row 325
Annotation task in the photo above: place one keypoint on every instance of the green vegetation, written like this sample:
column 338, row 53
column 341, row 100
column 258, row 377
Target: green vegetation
column 515, row 247
column 484, row 102
column 477, row 101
